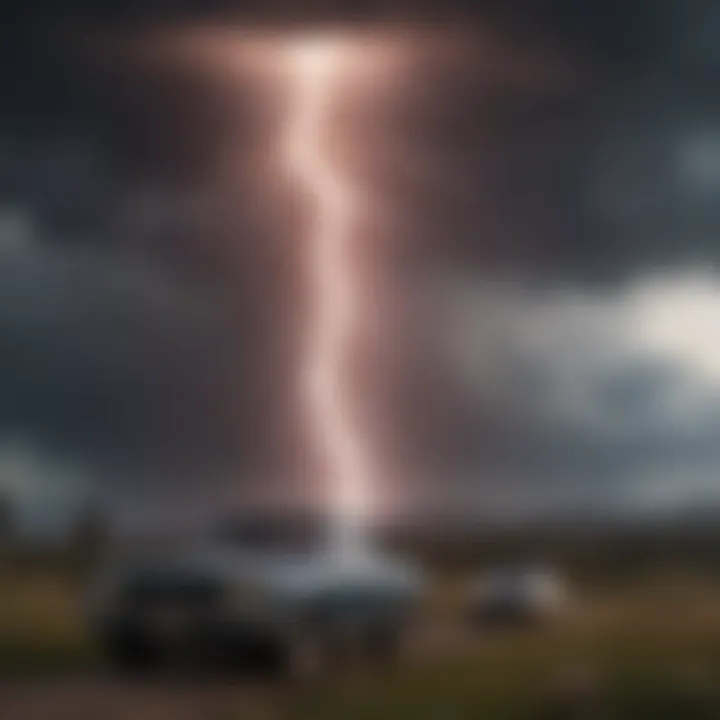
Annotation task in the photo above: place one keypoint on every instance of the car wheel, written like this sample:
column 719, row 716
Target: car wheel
column 304, row 657
column 384, row 644
column 131, row 653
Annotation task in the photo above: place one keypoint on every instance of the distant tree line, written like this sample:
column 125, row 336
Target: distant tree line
column 87, row 539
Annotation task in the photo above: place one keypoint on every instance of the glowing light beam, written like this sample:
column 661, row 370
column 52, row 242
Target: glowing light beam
column 335, row 305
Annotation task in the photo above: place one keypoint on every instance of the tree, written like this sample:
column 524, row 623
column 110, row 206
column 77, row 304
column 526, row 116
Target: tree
column 7, row 521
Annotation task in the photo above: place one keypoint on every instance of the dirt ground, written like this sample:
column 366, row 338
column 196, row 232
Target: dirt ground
column 108, row 698
column 103, row 696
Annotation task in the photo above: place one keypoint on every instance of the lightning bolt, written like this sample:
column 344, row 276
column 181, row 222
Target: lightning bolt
column 335, row 305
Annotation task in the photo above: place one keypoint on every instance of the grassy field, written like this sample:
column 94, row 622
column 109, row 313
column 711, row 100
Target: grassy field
column 41, row 624
column 650, row 650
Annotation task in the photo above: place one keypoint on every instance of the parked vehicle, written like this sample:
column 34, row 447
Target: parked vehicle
column 517, row 594
column 267, row 589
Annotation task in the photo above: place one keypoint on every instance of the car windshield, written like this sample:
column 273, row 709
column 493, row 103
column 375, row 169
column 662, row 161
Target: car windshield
column 276, row 533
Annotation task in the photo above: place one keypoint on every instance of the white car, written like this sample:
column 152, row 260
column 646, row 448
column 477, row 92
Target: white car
column 266, row 589
column 517, row 594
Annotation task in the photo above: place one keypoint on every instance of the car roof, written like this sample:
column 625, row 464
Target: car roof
column 269, row 527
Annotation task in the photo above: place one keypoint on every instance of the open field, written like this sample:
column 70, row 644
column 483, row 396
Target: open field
column 650, row 650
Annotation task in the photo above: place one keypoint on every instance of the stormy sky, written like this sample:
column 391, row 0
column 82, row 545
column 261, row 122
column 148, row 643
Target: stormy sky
column 543, row 239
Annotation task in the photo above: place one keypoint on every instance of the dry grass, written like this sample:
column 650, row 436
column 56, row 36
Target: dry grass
column 650, row 651
column 41, row 624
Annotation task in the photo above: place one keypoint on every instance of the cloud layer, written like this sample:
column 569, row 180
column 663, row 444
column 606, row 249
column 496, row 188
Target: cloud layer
column 594, row 383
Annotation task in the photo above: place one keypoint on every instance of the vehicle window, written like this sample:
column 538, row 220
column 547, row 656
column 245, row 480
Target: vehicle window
column 274, row 534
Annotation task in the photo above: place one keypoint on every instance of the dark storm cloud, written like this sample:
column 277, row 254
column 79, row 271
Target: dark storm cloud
column 134, row 334
column 103, row 357
column 648, row 194
column 133, row 322
column 534, row 176
column 592, row 179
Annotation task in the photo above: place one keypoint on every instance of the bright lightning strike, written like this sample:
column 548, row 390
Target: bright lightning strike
column 336, row 297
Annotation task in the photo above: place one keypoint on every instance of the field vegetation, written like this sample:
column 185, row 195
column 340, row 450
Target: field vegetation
column 639, row 642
